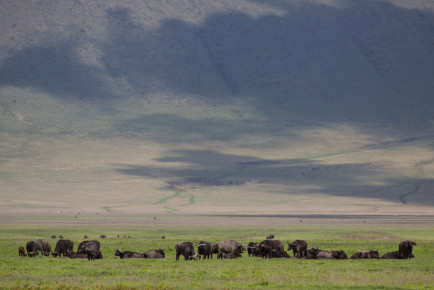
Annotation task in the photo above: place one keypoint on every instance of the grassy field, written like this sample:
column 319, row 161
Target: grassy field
column 111, row 272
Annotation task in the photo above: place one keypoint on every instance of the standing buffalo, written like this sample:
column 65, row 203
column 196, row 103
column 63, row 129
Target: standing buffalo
column 204, row 249
column 43, row 246
column 406, row 249
column 154, row 254
column 253, row 249
column 21, row 251
column 186, row 249
column 299, row 248
column 92, row 249
column 268, row 246
column 62, row 247
column 226, row 247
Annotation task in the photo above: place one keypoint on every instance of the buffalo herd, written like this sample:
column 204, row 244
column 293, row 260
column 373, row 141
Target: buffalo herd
column 269, row 248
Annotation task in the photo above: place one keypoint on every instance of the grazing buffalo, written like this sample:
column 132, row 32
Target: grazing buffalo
column 299, row 248
column 232, row 255
column 204, row 249
column 62, row 247
column 371, row 254
column 31, row 246
column 406, row 249
column 392, row 255
column 339, row 255
column 73, row 255
column 92, row 250
column 253, row 249
column 194, row 257
column 186, row 249
column 226, row 247
column 43, row 246
column 32, row 254
column 266, row 247
column 21, row 251
column 270, row 237
column 154, row 254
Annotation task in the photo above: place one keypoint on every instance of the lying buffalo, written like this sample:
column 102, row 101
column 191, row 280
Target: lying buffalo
column 299, row 248
column 73, row 255
column 406, row 249
column 232, row 255
column 339, row 254
column 62, row 247
column 128, row 254
column 154, row 254
column 370, row 254
column 204, row 249
column 185, row 249
column 276, row 253
column 392, row 255
column 227, row 247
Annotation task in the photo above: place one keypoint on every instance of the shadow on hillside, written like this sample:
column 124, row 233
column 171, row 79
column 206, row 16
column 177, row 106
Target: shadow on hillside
column 202, row 168
column 358, row 62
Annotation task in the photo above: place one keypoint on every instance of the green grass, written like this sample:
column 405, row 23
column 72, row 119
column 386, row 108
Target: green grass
column 111, row 272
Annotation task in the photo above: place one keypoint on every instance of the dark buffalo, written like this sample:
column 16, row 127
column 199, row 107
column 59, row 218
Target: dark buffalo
column 154, row 254
column 91, row 249
column 62, row 247
column 266, row 248
column 299, row 248
column 339, row 254
column 204, row 249
column 102, row 237
column 81, row 246
column 185, row 249
column 128, row 254
column 406, row 249
column 32, row 254
column 392, row 255
column 21, row 252
column 276, row 253
column 270, row 237
column 31, row 246
column 371, row 254
column 226, row 247
column 214, row 249
column 321, row 254
column 53, row 236
column 73, row 255
column 232, row 255
column 43, row 246
column 253, row 249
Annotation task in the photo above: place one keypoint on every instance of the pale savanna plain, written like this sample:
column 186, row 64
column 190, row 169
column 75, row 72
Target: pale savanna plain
column 217, row 120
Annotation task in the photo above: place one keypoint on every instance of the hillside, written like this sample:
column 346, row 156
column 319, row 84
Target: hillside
column 217, row 107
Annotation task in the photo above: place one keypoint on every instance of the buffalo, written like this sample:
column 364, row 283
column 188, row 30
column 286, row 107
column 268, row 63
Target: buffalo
column 226, row 247
column 43, row 246
column 253, row 249
column 194, row 257
column 91, row 249
column 299, row 248
column 62, row 247
column 186, row 249
column 128, row 254
column 266, row 247
column 339, row 255
column 277, row 253
column 21, row 251
column 406, row 249
column 204, row 249
column 392, row 255
column 32, row 254
column 73, row 255
column 154, row 254
column 270, row 237
column 232, row 255
column 370, row 254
